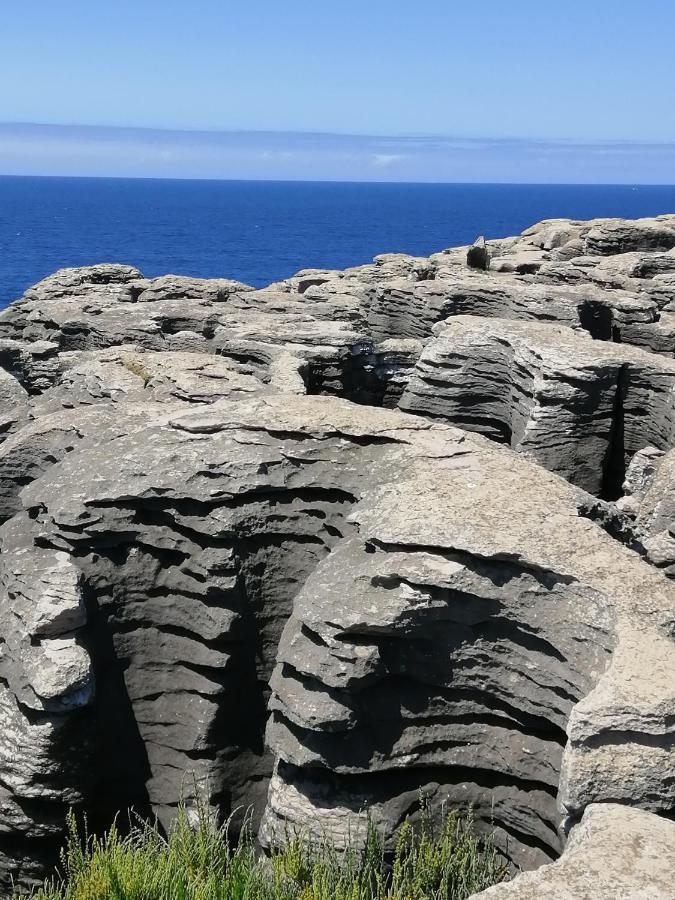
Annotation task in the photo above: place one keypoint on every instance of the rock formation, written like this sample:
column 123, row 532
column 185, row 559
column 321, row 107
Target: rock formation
column 405, row 529
column 580, row 407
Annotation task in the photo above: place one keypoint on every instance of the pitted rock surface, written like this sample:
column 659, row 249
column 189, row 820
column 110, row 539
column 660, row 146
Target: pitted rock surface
column 229, row 563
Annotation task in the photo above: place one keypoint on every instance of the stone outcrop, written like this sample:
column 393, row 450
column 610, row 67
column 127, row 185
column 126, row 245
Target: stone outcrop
column 404, row 529
column 443, row 668
column 649, row 500
column 580, row 407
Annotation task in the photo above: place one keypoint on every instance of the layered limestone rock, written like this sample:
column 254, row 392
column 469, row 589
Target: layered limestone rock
column 649, row 500
column 226, row 567
column 612, row 278
column 450, row 661
column 412, row 309
column 579, row 407
column 482, row 631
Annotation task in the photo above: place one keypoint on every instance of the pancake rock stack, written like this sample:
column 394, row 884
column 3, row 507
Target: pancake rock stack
column 320, row 549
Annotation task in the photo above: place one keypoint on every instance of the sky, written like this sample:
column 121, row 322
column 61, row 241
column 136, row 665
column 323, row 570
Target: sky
column 434, row 90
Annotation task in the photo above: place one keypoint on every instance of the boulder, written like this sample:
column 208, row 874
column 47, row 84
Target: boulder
column 478, row 256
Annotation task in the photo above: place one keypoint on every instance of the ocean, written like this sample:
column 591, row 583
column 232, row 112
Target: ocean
column 262, row 231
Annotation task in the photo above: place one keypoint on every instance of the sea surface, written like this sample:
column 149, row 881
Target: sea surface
column 262, row 231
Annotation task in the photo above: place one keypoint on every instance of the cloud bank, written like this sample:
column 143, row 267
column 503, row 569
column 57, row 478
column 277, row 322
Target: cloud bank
column 131, row 152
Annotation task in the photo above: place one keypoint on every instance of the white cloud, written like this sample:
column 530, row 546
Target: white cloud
column 276, row 155
column 384, row 160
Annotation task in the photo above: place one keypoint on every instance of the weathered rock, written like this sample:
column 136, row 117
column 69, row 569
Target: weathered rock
column 639, row 477
column 524, row 262
column 103, row 306
column 581, row 408
column 402, row 308
column 551, row 234
column 379, row 686
column 615, row 853
column 35, row 365
column 133, row 374
column 178, row 287
column 478, row 256
column 419, row 268
column 619, row 236
column 650, row 499
column 68, row 283
column 200, row 547
column 13, row 404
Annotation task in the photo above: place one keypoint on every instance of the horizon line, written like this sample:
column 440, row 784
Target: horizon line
column 538, row 184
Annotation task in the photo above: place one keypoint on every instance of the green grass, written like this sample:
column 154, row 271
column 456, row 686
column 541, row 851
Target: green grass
column 199, row 862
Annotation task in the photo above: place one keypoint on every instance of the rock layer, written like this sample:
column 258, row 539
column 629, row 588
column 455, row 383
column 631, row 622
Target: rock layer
column 579, row 407
column 229, row 563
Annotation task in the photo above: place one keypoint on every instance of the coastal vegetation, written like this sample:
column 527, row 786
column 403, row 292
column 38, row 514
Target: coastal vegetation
column 198, row 860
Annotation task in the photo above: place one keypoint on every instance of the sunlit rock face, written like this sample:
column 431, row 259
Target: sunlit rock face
column 580, row 407
column 347, row 542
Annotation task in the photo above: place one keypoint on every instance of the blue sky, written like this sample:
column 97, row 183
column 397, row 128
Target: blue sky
column 446, row 91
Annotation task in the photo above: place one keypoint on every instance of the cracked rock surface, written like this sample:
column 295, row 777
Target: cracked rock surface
column 362, row 535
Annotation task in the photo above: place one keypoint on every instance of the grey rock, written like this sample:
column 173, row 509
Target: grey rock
column 13, row 404
column 133, row 374
column 179, row 287
column 404, row 309
column 579, row 407
column 35, row 365
column 552, row 234
column 419, row 268
column 383, row 669
column 524, row 262
column 229, row 563
column 615, row 853
column 650, row 499
column 67, row 283
column 620, row 236
column 639, row 477
column 478, row 256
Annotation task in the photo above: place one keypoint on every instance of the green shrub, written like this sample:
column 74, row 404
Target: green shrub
column 199, row 862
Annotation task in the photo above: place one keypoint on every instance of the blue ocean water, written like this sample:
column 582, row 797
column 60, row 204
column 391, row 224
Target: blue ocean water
column 259, row 231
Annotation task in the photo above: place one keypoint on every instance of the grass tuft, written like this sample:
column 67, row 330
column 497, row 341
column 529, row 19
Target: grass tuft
column 135, row 365
column 198, row 861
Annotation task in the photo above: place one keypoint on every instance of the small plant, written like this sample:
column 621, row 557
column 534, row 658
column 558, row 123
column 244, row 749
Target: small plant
column 197, row 861
column 136, row 367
